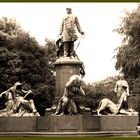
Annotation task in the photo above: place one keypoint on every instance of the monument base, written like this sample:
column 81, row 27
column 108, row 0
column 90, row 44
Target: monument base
column 18, row 124
column 65, row 68
column 71, row 134
column 87, row 123
column 67, row 126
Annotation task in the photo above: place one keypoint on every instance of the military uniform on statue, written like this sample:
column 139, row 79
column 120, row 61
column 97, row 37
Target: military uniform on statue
column 68, row 32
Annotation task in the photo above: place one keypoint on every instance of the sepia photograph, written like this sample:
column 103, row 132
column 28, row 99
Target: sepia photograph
column 70, row 69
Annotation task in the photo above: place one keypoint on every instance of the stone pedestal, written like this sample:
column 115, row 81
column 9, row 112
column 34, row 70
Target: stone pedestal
column 87, row 123
column 65, row 68
column 18, row 124
column 73, row 123
column 65, row 123
column 118, row 122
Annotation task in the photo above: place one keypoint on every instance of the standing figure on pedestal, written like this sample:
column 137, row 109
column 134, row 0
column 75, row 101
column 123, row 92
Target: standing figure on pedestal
column 122, row 84
column 68, row 32
column 66, row 102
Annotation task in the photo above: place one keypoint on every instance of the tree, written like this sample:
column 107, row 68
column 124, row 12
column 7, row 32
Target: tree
column 128, row 58
column 99, row 90
column 9, row 60
column 23, row 59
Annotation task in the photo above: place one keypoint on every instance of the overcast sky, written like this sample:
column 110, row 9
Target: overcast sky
column 97, row 20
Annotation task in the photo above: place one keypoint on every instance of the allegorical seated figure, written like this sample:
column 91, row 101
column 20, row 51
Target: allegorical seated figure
column 66, row 102
column 18, row 102
column 115, row 108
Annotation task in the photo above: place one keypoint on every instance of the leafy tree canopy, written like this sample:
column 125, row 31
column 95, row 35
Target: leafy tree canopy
column 128, row 53
column 128, row 58
column 23, row 59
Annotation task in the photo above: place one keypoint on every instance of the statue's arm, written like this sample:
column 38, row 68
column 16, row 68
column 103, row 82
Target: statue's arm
column 82, row 91
column 116, row 88
column 67, row 87
column 78, row 26
column 26, row 91
column 127, row 89
column 65, row 93
column 68, row 84
column 4, row 92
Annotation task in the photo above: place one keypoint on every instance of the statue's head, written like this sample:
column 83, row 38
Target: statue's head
column 18, row 85
column 121, row 75
column 69, row 10
column 75, row 79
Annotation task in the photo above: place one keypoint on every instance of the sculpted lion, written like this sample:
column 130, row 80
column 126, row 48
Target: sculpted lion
column 115, row 108
column 106, row 103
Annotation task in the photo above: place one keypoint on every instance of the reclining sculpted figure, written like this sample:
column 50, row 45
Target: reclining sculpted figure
column 18, row 102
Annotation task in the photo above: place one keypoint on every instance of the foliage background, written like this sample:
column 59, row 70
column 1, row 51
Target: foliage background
column 23, row 59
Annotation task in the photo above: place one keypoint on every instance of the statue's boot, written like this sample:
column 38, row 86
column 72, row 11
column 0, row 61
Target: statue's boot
column 56, row 113
column 62, row 114
column 66, row 49
column 72, row 57
column 63, row 108
column 58, row 108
